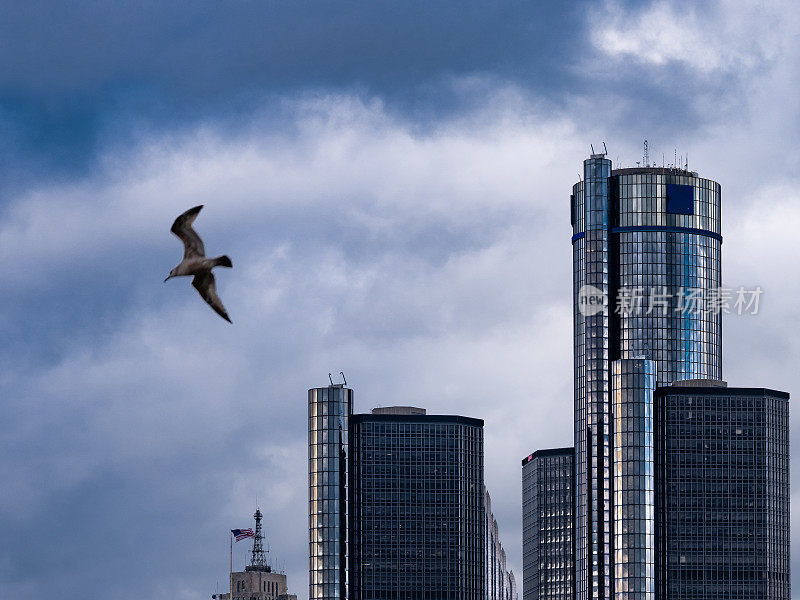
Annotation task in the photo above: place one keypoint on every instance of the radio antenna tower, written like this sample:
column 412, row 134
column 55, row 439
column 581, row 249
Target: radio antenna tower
column 646, row 161
column 259, row 559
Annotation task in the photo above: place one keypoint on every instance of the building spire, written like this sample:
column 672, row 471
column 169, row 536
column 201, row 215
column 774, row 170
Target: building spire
column 258, row 561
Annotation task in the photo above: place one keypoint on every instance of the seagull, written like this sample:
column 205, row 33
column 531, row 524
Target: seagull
column 195, row 262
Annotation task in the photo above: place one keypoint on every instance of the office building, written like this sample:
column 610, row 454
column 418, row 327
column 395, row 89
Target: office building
column 417, row 506
column 723, row 509
column 329, row 411
column 397, row 505
column 648, row 310
column 547, row 525
column 645, row 240
column 500, row 581
column 258, row 581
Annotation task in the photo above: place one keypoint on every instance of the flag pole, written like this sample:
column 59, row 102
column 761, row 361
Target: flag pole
column 230, row 575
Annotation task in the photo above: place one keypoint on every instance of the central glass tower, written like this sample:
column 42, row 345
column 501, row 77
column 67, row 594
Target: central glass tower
column 646, row 250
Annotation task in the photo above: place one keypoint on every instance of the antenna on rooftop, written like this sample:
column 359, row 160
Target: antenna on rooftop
column 258, row 561
column 331, row 378
column 343, row 379
column 646, row 159
column 592, row 147
column 605, row 150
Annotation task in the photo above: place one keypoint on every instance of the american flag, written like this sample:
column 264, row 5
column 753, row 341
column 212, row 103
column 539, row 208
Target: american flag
column 241, row 534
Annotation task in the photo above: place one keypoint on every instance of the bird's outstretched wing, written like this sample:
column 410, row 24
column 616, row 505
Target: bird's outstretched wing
column 207, row 286
column 182, row 227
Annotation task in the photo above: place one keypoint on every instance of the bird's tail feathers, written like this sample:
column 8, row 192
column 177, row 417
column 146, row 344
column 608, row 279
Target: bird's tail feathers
column 223, row 261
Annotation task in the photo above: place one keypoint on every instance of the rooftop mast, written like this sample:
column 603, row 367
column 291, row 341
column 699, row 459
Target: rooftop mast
column 259, row 559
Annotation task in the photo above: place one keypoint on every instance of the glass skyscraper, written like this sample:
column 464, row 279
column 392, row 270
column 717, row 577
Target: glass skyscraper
column 500, row 581
column 329, row 411
column 681, row 483
column 417, row 507
column 547, row 526
column 633, row 381
column 723, row 502
column 397, row 505
column 642, row 238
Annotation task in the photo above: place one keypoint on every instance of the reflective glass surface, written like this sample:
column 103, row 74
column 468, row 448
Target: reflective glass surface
column 417, row 509
column 633, row 384
column 665, row 268
column 724, row 521
column 500, row 583
column 624, row 238
column 547, row 527
column 592, row 412
column 329, row 410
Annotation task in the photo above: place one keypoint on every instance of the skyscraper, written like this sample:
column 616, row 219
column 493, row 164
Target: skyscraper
column 258, row 581
column 648, row 236
column 500, row 581
column 417, row 507
column 397, row 505
column 329, row 411
column 547, row 526
column 723, row 502
column 675, row 473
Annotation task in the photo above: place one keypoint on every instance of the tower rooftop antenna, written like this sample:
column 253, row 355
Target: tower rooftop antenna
column 258, row 562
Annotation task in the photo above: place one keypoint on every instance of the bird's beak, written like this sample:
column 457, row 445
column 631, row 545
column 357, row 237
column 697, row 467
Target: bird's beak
column 168, row 277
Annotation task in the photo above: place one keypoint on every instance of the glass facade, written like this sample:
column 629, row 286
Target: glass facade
column 417, row 508
column 723, row 513
column 636, row 234
column 666, row 260
column 548, row 569
column 500, row 582
column 592, row 413
column 633, row 384
column 329, row 412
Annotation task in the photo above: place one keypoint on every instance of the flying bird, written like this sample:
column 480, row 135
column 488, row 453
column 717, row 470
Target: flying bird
column 195, row 262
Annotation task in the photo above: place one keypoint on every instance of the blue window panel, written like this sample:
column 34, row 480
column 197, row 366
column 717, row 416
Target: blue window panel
column 680, row 199
column 572, row 209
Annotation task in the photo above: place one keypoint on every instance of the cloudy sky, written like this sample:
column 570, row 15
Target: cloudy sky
column 391, row 180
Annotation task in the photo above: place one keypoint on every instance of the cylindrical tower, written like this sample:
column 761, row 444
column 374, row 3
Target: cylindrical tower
column 633, row 382
column 591, row 212
column 667, row 256
column 646, row 256
column 329, row 411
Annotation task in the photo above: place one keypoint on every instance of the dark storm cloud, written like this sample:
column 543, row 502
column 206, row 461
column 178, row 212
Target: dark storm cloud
column 209, row 49
column 76, row 78
column 73, row 74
